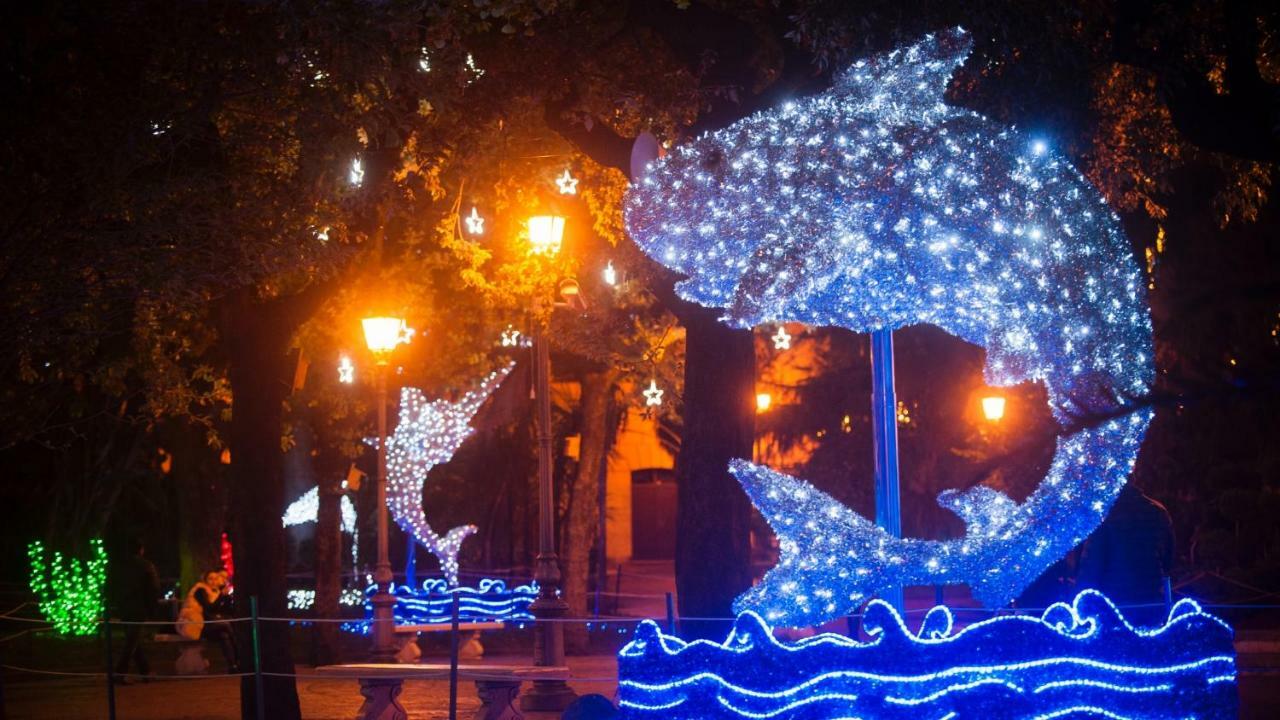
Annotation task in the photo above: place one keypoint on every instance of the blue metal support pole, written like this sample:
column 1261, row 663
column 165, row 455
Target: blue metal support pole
column 884, row 425
column 411, row 562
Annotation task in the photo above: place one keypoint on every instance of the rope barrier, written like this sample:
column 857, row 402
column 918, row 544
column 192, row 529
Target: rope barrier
column 1250, row 670
column 35, row 671
column 141, row 676
column 606, row 619
column 11, row 611
column 19, row 634
column 23, row 619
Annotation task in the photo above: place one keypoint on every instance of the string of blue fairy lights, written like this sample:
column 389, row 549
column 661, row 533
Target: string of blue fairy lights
column 1079, row 655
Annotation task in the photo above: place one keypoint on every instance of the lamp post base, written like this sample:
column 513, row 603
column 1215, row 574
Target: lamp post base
column 547, row 696
column 548, row 651
column 383, row 629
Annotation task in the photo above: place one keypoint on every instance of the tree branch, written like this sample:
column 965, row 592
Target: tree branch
column 1244, row 121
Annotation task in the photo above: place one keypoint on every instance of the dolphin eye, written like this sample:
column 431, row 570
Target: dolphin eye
column 713, row 159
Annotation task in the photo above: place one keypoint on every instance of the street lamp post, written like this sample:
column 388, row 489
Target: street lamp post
column 383, row 334
column 545, row 234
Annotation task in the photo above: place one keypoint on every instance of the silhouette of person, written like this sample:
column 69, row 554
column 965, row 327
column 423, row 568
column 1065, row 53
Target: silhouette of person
column 137, row 587
column 1128, row 557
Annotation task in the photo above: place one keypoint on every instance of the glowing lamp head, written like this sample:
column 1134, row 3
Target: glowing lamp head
column 993, row 407
column 763, row 401
column 545, row 234
column 383, row 334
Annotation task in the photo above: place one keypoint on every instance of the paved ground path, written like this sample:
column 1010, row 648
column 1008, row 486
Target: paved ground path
column 218, row 698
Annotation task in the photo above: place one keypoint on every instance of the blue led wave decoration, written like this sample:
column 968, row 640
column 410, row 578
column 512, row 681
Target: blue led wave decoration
column 1082, row 659
column 490, row 601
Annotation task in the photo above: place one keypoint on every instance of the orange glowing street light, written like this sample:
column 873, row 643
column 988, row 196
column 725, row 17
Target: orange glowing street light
column 763, row 401
column 546, row 232
column 993, row 407
column 383, row 334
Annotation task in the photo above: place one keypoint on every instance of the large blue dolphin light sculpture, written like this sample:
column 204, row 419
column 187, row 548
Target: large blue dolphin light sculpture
column 877, row 205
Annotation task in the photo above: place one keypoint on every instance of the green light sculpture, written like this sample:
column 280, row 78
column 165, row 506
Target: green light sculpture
column 69, row 591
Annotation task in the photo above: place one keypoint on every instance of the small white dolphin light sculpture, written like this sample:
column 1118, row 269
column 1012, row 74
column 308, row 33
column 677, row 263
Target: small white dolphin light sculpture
column 876, row 205
column 428, row 434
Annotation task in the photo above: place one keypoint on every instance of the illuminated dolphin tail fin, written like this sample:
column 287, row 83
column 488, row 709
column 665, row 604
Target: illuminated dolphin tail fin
column 446, row 551
column 913, row 70
column 986, row 511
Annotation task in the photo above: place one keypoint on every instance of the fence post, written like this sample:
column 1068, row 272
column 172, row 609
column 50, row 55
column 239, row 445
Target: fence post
column 111, row 676
column 453, row 654
column 671, row 616
column 257, row 659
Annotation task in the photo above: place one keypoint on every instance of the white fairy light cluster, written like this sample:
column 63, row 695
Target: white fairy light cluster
column 305, row 509
column 428, row 434
column 510, row 337
column 303, row 599
column 876, row 205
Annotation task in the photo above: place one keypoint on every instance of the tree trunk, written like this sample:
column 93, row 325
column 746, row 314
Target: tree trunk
column 257, row 337
column 328, row 567
column 713, row 544
column 583, row 523
column 202, row 500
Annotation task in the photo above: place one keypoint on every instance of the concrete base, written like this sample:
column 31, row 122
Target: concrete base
column 548, row 696
column 380, row 701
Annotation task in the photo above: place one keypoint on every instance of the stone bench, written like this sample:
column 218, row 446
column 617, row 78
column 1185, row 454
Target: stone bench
column 496, row 685
column 468, row 649
column 191, row 659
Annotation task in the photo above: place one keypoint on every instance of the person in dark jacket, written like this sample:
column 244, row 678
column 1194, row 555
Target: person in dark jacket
column 1129, row 556
column 137, row 588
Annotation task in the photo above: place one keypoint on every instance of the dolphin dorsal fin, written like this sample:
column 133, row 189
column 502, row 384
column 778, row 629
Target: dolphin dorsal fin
column 916, row 75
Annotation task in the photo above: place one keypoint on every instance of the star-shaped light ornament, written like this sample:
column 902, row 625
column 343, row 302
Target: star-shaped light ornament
column 475, row 223
column 781, row 339
column 428, row 434
column 653, row 394
column 510, row 337
column 567, row 183
column 346, row 371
